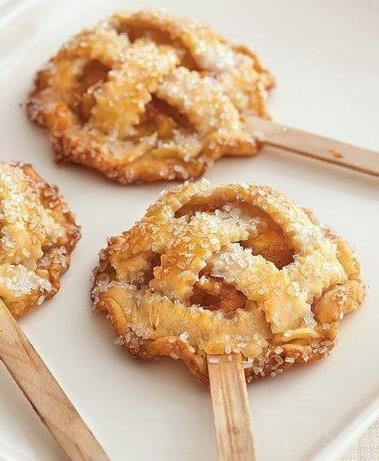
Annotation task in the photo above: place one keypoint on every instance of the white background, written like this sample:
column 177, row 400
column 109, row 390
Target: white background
column 325, row 57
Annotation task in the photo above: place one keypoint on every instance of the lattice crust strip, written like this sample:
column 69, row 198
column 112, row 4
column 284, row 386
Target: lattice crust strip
column 37, row 236
column 149, row 96
column 210, row 270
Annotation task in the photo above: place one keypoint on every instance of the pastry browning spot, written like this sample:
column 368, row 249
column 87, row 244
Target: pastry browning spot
column 335, row 154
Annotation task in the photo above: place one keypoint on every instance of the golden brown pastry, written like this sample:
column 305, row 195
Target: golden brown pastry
column 236, row 268
column 149, row 96
column 37, row 236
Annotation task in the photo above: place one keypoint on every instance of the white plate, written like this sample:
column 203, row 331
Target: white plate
column 325, row 58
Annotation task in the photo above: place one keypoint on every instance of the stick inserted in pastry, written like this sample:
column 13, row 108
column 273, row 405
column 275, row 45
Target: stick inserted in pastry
column 294, row 141
column 234, row 433
column 232, row 272
column 38, row 234
column 149, row 96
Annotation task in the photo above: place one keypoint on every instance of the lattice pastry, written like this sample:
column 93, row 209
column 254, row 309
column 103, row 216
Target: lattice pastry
column 149, row 96
column 37, row 236
column 214, row 270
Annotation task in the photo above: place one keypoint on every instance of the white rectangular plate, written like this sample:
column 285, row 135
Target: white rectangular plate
column 323, row 57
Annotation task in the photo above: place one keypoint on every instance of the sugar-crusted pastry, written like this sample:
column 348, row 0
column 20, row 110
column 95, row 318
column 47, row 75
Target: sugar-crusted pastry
column 37, row 236
column 235, row 268
column 149, row 96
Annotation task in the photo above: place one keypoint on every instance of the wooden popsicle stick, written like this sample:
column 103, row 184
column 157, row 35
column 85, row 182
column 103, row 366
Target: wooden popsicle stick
column 44, row 393
column 234, row 434
column 315, row 146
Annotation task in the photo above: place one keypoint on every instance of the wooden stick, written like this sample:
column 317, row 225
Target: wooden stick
column 44, row 393
column 234, row 435
column 311, row 145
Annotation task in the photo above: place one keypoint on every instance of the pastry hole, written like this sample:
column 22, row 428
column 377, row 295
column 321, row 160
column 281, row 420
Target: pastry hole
column 161, row 118
column 149, row 274
column 180, row 119
column 93, row 74
column 272, row 245
column 160, row 37
column 210, row 204
column 215, row 294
